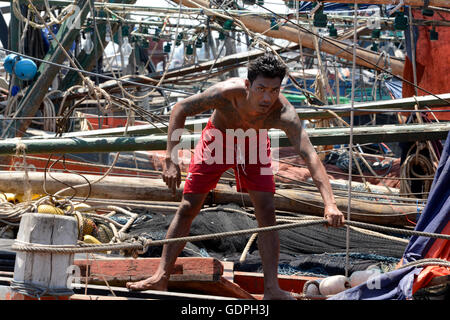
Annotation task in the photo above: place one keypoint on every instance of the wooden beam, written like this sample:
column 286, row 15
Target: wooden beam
column 34, row 96
column 320, row 136
column 221, row 62
column 257, row 24
column 192, row 274
column 103, row 292
column 292, row 200
column 120, row 270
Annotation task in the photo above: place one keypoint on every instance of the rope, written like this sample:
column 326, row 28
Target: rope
column 37, row 291
column 247, row 247
column 140, row 245
column 418, row 160
column 426, row 262
column 66, row 12
column 395, row 230
column 350, row 149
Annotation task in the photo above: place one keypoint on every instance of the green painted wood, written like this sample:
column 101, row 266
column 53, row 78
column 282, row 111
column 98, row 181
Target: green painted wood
column 322, row 136
column 34, row 96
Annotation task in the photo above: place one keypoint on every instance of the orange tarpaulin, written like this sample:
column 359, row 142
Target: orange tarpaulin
column 432, row 62
column 441, row 250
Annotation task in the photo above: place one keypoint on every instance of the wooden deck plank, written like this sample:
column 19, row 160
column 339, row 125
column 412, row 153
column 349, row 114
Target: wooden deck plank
column 191, row 274
column 121, row 270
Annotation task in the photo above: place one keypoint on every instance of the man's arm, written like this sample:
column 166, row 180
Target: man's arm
column 212, row 98
column 291, row 124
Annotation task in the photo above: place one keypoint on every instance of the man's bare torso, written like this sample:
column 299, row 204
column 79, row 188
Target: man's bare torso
column 234, row 111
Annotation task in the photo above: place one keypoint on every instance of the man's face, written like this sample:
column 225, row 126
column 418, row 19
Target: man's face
column 263, row 93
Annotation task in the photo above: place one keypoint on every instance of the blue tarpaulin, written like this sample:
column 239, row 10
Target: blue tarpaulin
column 398, row 284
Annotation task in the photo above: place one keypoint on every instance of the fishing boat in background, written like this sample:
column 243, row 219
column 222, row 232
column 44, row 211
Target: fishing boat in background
column 86, row 91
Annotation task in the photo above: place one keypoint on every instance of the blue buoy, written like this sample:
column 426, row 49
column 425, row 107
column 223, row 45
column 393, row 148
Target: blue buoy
column 10, row 61
column 25, row 69
column 14, row 90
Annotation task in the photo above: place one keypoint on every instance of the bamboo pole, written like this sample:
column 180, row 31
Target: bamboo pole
column 320, row 136
column 257, row 24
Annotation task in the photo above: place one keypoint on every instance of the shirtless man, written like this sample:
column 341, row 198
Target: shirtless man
column 253, row 103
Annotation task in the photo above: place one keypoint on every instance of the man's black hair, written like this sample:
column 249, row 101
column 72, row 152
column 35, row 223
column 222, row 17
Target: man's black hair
column 268, row 66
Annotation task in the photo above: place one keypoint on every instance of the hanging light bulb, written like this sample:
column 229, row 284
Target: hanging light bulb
column 227, row 25
column 156, row 36
column 320, row 19
column 400, row 21
column 167, row 47
column 87, row 43
column 434, row 35
column 108, row 34
column 179, row 39
column 189, row 50
column 333, row 31
column 374, row 46
column 427, row 12
column 198, row 42
column 273, row 24
column 126, row 47
column 376, row 33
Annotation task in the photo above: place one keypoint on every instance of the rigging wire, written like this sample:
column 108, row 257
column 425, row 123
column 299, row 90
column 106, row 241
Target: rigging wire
column 346, row 50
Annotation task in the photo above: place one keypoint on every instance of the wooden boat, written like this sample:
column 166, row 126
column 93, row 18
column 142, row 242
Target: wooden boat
column 194, row 278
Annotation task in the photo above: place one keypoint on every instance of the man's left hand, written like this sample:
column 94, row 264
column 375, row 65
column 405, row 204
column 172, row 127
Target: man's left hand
column 334, row 216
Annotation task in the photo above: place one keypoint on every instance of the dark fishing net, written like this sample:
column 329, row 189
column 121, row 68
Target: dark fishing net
column 307, row 250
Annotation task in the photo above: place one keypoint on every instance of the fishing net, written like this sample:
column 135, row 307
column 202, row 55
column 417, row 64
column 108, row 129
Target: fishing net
column 312, row 249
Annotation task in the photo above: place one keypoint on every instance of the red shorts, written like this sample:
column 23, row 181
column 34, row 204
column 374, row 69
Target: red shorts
column 217, row 152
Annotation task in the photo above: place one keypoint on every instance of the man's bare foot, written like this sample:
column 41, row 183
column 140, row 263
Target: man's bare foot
column 278, row 295
column 152, row 283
